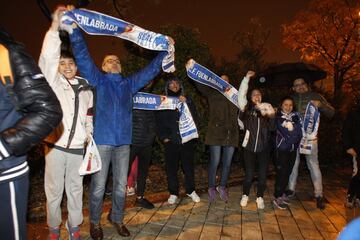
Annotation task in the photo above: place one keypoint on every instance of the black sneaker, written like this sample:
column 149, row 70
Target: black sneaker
column 320, row 203
column 144, row 203
column 279, row 203
column 290, row 193
column 350, row 202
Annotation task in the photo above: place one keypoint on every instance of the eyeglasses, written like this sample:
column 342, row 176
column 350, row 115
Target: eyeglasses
column 112, row 61
column 299, row 84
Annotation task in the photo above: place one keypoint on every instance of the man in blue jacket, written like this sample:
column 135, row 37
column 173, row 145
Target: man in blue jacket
column 113, row 127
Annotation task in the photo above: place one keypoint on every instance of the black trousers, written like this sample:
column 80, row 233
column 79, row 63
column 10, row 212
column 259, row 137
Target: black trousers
column 354, row 186
column 183, row 153
column 284, row 163
column 13, row 207
column 144, row 157
column 250, row 159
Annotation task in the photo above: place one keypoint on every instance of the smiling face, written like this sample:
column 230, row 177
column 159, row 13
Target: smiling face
column 111, row 64
column 287, row 106
column 256, row 96
column 300, row 86
column 67, row 68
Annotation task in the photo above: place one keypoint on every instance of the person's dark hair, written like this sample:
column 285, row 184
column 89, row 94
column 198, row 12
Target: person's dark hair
column 169, row 79
column 67, row 54
column 287, row 98
column 248, row 95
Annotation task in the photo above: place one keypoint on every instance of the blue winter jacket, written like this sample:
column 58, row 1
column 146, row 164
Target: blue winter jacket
column 113, row 120
column 288, row 140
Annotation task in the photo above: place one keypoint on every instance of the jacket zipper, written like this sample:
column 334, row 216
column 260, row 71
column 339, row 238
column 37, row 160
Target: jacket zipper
column 257, row 134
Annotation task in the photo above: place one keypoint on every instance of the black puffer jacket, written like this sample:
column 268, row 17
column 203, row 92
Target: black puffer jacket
column 144, row 128
column 37, row 112
column 257, row 129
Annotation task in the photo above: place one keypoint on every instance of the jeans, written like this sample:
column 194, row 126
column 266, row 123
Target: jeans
column 284, row 164
column 185, row 154
column 313, row 166
column 119, row 159
column 227, row 154
column 250, row 158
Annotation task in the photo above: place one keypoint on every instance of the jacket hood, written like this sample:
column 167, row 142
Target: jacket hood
column 168, row 92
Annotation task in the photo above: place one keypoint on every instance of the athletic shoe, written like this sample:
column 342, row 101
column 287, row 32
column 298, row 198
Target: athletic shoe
column 144, row 203
column 350, row 202
column 260, row 203
column 244, row 200
column 172, row 199
column 223, row 193
column 194, row 197
column 130, row 191
column 279, row 203
column 54, row 233
column 212, row 194
column 320, row 203
column 290, row 193
column 285, row 199
column 357, row 202
column 74, row 232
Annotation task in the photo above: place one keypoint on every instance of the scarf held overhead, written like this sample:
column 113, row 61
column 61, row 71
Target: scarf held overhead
column 310, row 128
column 95, row 23
column 204, row 76
column 148, row 101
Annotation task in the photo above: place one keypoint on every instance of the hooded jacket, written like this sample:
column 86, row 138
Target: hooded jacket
column 114, row 92
column 167, row 121
column 28, row 114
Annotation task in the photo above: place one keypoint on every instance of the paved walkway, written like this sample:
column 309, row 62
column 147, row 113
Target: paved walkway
column 188, row 221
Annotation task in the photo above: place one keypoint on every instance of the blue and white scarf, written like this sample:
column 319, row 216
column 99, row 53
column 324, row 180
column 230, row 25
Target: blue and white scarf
column 148, row 101
column 204, row 76
column 309, row 128
column 95, row 23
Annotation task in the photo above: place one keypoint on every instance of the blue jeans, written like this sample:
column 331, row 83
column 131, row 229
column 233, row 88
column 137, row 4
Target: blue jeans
column 119, row 159
column 312, row 163
column 227, row 154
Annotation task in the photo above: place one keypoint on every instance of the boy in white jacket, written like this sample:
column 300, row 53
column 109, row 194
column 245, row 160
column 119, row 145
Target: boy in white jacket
column 65, row 146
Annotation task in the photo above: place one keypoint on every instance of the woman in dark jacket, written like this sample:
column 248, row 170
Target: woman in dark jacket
column 222, row 136
column 175, row 150
column 258, row 121
column 288, row 136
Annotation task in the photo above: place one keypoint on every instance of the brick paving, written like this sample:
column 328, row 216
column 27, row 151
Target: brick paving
column 187, row 220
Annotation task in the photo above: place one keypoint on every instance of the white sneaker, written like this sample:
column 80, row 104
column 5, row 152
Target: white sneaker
column 244, row 200
column 260, row 203
column 172, row 199
column 130, row 191
column 194, row 197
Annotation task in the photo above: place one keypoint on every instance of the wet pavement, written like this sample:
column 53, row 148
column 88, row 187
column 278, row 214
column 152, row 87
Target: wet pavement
column 220, row 220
